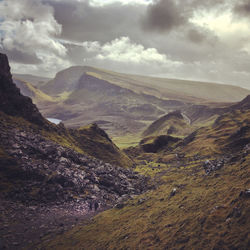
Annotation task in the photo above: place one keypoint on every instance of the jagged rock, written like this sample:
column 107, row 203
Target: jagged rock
column 245, row 193
column 11, row 101
column 62, row 176
column 213, row 165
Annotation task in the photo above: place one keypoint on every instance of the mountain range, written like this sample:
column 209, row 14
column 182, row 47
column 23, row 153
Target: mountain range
column 126, row 104
column 184, row 185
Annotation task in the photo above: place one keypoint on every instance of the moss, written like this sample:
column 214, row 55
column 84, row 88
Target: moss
column 194, row 218
column 201, row 214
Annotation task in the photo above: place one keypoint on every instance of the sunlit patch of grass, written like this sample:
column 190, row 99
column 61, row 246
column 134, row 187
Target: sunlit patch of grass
column 129, row 140
column 195, row 217
column 187, row 209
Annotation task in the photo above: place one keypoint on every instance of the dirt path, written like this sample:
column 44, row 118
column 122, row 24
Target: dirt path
column 24, row 227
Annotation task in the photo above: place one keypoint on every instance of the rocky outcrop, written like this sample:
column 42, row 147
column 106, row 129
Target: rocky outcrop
column 11, row 101
column 41, row 169
column 52, row 173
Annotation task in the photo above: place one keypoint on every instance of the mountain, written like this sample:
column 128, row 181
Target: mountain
column 116, row 109
column 174, row 123
column 172, row 191
column 46, row 166
column 201, row 198
column 37, row 96
column 11, row 100
column 124, row 104
column 66, row 80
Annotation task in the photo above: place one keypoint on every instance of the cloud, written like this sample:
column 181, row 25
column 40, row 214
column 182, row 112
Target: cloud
column 28, row 32
column 82, row 21
column 190, row 39
column 21, row 57
column 123, row 2
column 164, row 15
column 125, row 51
column 242, row 8
column 196, row 36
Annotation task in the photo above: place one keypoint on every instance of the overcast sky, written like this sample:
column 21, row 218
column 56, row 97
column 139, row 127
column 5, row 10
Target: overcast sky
column 206, row 40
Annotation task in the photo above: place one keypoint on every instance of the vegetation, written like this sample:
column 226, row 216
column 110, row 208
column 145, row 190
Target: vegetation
column 128, row 103
column 188, row 209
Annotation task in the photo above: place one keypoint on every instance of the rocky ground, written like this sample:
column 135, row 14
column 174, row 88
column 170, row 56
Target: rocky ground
column 25, row 226
column 54, row 188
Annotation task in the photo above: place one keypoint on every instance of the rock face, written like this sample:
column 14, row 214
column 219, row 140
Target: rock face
column 11, row 101
column 51, row 172
column 38, row 170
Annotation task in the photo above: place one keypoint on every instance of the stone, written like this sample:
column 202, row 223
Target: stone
column 173, row 192
column 245, row 193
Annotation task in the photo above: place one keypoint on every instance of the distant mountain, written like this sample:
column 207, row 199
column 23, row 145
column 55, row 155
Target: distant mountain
column 126, row 104
column 183, row 90
column 114, row 108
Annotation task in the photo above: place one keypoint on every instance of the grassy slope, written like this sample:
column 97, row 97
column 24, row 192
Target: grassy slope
column 172, row 123
column 205, row 213
column 192, row 91
column 195, row 218
column 85, row 140
column 173, row 88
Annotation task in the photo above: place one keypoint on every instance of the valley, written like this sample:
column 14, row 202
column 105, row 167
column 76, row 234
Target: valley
column 136, row 163
column 124, row 105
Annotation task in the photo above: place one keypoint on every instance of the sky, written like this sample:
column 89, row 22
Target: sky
column 204, row 40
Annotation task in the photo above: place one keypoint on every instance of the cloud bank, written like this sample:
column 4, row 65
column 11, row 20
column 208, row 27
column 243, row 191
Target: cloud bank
column 190, row 39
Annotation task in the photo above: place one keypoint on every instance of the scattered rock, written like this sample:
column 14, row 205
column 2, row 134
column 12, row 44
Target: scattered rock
column 236, row 213
column 173, row 192
column 213, row 165
column 245, row 193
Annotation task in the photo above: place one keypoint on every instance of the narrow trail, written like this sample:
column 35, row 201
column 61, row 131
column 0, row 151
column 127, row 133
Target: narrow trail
column 25, row 227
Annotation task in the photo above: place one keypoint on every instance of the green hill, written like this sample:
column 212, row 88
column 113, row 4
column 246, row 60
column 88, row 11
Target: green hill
column 174, row 123
column 200, row 201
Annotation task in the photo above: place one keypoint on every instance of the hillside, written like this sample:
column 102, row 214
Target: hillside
column 127, row 104
column 174, row 123
column 55, row 169
column 117, row 110
column 66, row 80
column 201, row 200
column 179, row 191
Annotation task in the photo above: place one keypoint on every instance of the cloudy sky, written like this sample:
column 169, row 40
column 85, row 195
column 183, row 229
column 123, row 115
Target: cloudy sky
column 206, row 40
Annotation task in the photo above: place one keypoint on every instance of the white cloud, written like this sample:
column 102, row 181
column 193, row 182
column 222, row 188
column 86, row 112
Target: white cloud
column 232, row 32
column 123, row 50
column 123, row 2
column 29, row 26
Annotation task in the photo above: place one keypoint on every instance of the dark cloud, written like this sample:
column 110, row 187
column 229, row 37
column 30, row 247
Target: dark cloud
column 196, row 36
column 83, row 22
column 164, row 15
column 242, row 8
column 57, row 33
